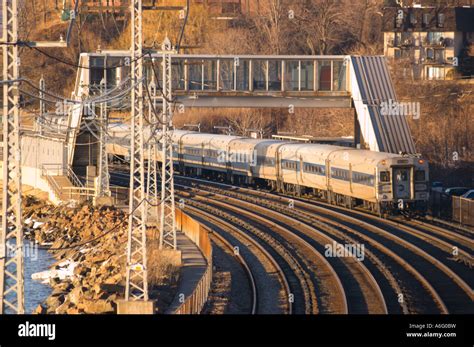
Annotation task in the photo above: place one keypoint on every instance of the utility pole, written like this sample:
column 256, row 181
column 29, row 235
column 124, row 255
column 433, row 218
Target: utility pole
column 136, row 291
column 11, row 233
column 103, row 188
column 152, row 169
column 137, row 282
column 42, row 106
column 168, row 211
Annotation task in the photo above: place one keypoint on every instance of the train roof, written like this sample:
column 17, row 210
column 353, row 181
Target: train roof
column 337, row 151
column 309, row 149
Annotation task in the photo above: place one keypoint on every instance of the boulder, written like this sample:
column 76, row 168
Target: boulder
column 75, row 295
column 73, row 310
column 97, row 306
column 39, row 310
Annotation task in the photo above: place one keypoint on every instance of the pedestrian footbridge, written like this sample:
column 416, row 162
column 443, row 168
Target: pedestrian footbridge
column 359, row 82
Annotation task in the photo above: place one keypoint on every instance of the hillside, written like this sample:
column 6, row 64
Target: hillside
column 443, row 133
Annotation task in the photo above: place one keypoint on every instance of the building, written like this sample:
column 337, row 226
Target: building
column 434, row 42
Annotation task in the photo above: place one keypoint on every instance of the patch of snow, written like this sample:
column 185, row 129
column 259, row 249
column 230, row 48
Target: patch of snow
column 66, row 270
column 36, row 225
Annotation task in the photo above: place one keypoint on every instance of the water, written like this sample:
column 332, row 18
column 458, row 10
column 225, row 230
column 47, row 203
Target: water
column 36, row 261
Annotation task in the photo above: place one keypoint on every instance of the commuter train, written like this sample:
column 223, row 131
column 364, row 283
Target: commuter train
column 380, row 182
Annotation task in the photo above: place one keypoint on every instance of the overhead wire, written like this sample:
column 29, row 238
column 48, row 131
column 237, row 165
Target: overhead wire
column 127, row 64
column 181, row 35
column 118, row 224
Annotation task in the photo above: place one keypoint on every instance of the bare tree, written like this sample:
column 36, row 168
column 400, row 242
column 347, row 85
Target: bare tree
column 245, row 120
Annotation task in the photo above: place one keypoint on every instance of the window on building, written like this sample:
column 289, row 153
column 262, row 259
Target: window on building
column 426, row 19
column 439, row 55
column 399, row 19
column 430, row 53
column 413, row 20
column 435, row 38
column 435, row 73
column 441, row 18
column 397, row 39
column 405, row 53
column 407, row 38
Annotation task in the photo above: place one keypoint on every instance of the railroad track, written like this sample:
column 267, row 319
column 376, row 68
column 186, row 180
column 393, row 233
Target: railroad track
column 446, row 225
column 465, row 242
column 452, row 293
column 350, row 276
column 263, row 271
column 302, row 294
column 231, row 292
column 415, row 269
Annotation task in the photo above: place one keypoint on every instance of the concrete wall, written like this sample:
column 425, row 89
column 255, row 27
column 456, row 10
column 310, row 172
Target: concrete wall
column 37, row 151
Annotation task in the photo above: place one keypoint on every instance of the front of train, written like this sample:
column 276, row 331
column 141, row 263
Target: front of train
column 403, row 185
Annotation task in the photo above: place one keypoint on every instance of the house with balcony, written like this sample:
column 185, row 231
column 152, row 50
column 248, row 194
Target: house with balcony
column 435, row 43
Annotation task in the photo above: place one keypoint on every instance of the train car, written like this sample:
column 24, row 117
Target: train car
column 200, row 151
column 381, row 182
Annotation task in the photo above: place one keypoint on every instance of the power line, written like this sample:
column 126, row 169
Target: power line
column 127, row 64
column 122, row 221
column 181, row 35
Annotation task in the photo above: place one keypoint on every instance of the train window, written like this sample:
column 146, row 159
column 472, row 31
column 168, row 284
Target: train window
column 362, row 178
column 290, row 165
column 402, row 176
column 340, row 174
column 384, row 176
column 420, row 176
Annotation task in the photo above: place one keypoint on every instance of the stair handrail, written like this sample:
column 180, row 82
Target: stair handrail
column 72, row 175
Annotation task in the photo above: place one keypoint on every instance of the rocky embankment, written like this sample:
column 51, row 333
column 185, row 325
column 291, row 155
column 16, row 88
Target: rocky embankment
column 89, row 245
